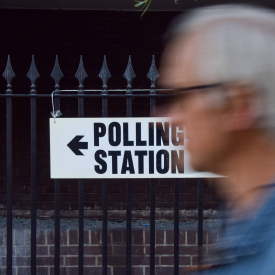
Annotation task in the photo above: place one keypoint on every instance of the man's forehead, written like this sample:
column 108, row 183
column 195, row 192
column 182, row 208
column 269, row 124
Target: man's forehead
column 179, row 62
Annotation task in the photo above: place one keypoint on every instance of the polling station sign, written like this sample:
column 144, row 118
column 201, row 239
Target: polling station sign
column 118, row 148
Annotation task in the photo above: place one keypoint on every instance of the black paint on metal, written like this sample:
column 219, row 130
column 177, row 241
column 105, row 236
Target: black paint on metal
column 81, row 75
column 128, row 226
column 33, row 75
column 57, row 75
column 9, row 75
column 176, row 227
column 104, row 225
column 129, row 75
column 152, row 75
column 152, row 227
column 104, row 75
column 200, row 222
column 81, row 93
column 90, row 95
column 80, row 225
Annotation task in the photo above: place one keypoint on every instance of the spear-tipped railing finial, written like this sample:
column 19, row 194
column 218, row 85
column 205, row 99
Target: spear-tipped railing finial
column 8, row 75
column 129, row 74
column 153, row 73
column 56, row 74
column 104, row 75
column 33, row 75
column 81, row 74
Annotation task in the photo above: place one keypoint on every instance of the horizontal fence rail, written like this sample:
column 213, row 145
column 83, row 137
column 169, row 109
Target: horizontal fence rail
column 104, row 93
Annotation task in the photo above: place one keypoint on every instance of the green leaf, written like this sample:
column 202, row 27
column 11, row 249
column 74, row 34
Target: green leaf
column 139, row 4
column 147, row 6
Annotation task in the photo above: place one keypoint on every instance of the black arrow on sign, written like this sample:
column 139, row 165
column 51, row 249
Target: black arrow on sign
column 75, row 145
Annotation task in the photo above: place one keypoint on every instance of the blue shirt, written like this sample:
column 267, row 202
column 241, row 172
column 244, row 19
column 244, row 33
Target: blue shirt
column 247, row 246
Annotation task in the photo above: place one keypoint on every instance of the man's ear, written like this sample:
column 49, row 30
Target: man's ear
column 240, row 109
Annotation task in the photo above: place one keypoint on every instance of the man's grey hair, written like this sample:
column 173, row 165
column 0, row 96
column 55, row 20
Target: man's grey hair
column 237, row 44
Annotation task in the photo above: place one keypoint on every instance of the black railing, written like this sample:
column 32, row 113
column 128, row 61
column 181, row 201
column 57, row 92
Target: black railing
column 81, row 93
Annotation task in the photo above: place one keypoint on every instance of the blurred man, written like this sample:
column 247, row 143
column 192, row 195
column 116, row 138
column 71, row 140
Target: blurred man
column 224, row 81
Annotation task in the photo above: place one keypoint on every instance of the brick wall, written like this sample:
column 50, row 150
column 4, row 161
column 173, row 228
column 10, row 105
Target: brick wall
column 164, row 259
column 69, row 34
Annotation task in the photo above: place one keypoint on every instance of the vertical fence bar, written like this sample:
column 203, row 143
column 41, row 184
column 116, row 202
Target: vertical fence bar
column 81, row 75
column 152, row 227
column 104, row 75
column 33, row 75
column 9, row 75
column 129, row 75
column 152, row 75
column 200, row 222
column 57, row 75
column 176, row 227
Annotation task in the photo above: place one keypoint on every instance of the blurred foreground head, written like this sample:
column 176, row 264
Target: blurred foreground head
column 232, row 46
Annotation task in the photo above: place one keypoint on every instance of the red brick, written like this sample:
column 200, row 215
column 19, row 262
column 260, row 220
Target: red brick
column 142, row 197
column 64, row 250
column 86, row 237
column 194, row 260
column 94, row 271
column 117, row 236
column 74, row 261
column 169, row 260
column 161, row 270
column 40, row 237
column 50, row 237
column 109, row 236
column 71, row 261
column 93, row 250
column 124, row 236
column 164, row 189
column 63, row 237
column 191, row 237
column 47, row 261
column 147, row 236
column 66, row 271
column 27, row 270
column 143, row 260
column 119, row 250
column 182, row 237
column 73, row 236
column 140, row 189
column 99, row 260
column 137, row 250
column 169, row 236
column 190, row 250
column 137, row 236
column 204, row 237
column 95, row 237
column 117, row 260
column 122, row 271
column 73, row 250
column 42, row 250
column 159, row 236
column 89, row 260
column 164, row 250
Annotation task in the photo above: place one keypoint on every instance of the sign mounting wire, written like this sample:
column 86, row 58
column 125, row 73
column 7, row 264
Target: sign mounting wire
column 56, row 113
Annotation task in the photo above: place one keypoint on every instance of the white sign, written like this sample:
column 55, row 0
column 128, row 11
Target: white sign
column 119, row 148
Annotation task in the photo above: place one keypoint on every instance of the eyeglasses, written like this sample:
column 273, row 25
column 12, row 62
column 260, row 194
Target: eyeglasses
column 189, row 89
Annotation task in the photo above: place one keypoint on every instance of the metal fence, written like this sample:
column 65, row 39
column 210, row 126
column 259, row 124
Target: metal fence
column 105, row 93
